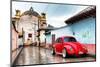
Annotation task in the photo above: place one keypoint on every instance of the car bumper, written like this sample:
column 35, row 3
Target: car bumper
column 79, row 53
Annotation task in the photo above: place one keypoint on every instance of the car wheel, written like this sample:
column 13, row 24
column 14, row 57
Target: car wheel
column 64, row 53
column 53, row 51
column 84, row 55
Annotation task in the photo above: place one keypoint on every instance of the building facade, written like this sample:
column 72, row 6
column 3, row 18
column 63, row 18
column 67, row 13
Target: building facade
column 30, row 26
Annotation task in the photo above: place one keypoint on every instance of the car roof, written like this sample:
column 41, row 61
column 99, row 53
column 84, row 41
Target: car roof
column 65, row 36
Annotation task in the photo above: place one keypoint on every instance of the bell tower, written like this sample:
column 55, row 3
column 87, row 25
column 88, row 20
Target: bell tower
column 18, row 14
column 42, row 28
column 43, row 23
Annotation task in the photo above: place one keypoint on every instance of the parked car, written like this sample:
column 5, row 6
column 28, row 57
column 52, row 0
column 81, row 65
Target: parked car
column 68, row 46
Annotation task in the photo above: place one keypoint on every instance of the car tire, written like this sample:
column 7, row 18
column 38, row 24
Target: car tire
column 84, row 55
column 64, row 53
column 53, row 51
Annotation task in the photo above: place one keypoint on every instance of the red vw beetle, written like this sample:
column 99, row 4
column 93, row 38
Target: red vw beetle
column 68, row 46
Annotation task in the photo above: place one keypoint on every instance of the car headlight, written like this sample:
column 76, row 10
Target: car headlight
column 71, row 49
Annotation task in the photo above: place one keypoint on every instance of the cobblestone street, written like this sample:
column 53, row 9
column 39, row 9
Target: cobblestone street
column 35, row 55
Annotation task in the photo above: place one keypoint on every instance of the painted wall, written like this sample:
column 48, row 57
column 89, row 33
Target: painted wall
column 65, row 31
column 49, row 39
column 84, row 30
column 14, row 39
column 42, row 36
column 14, row 44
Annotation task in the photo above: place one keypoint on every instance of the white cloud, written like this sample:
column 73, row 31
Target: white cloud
column 57, row 21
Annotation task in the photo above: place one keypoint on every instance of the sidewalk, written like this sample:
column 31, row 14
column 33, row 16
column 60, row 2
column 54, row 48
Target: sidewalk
column 15, row 54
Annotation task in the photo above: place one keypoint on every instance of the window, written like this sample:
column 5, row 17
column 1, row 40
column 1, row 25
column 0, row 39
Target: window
column 65, row 39
column 69, row 39
column 59, row 40
column 29, row 35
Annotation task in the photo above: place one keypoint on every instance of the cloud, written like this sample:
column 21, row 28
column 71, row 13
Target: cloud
column 59, row 21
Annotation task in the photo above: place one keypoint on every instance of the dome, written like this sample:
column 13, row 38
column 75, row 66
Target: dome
column 31, row 12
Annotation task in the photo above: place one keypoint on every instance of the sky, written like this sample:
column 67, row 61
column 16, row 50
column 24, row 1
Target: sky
column 56, row 14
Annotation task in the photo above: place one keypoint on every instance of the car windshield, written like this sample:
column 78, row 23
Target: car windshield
column 69, row 39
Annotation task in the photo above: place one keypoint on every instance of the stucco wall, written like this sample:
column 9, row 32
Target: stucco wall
column 84, row 30
column 65, row 31
column 29, row 25
column 14, row 39
column 42, row 36
column 49, row 39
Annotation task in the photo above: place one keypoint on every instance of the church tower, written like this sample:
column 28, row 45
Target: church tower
column 42, row 28
column 43, row 23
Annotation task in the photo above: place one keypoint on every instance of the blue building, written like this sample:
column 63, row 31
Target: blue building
column 81, row 26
